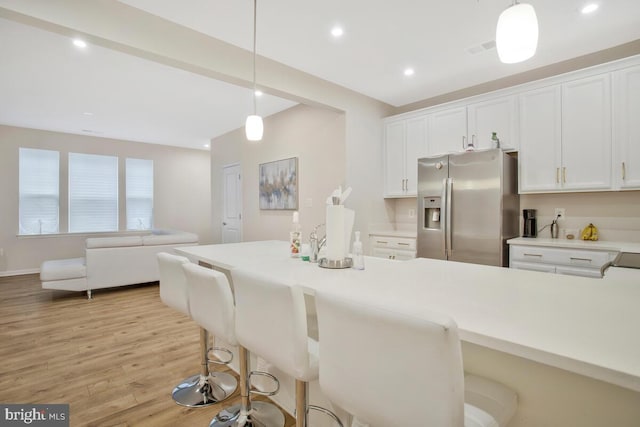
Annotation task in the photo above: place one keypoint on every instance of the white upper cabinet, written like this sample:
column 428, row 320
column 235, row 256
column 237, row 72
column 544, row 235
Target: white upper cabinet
column 394, row 158
column 586, row 134
column 404, row 144
column 574, row 132
column 565, row 137
column 497, row 115
column 540, row 132
column 626, row 166
column 415, row 147
column 447, row 131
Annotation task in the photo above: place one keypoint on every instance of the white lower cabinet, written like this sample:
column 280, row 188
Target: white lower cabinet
column 399, row 248
column 574, row 262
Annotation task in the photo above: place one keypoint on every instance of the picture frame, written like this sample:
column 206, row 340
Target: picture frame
column 278, row 184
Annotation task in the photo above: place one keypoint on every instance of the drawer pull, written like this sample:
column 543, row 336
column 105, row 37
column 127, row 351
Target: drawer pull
column 538, row 255
column 380, row 241
column 580, row 259
column 403, row 244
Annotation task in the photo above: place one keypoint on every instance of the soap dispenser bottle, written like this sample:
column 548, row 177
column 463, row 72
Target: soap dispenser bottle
column 294, row 236
column 358, row 256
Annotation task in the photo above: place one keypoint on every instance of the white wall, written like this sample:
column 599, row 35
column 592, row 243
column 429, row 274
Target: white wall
column 182, row 192
column 316, row 136
column 615, row 213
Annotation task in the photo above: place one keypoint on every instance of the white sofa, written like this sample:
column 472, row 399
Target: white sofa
column 113, row 261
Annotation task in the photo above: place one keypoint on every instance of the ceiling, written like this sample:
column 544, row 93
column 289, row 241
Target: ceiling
column 47, row 83
column 135, row 99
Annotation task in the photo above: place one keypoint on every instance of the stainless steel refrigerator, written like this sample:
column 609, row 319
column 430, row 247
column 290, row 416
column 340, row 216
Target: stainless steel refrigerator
column 468, row 206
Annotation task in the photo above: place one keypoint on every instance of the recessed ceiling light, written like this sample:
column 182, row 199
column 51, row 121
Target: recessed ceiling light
column 258, row 92
column 590, row 8
column 79, row 43
column 409, row 72
column 337, row 31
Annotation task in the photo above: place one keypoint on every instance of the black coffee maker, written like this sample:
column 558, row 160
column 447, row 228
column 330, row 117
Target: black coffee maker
column 530, row 227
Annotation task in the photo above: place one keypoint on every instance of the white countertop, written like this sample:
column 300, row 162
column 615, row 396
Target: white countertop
column 583, row 325
column 577, row 244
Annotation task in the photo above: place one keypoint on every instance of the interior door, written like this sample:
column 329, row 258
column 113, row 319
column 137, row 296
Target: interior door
column 232, row 205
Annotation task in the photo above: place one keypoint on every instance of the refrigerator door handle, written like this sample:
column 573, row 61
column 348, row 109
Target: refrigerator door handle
column 448, row 226
column 443, row 218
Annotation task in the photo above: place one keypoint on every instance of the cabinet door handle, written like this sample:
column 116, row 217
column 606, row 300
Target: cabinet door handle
column 464, row 140
column 557, row 175
column 406, row 185
column 537, row 255
column 624, row 172
column 473, row 141
column 580, row 259
column 564, row 175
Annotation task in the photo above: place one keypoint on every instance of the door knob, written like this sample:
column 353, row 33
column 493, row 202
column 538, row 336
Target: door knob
column 224, row 223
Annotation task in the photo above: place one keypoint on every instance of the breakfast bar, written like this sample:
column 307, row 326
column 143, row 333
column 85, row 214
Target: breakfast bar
column 582, row 330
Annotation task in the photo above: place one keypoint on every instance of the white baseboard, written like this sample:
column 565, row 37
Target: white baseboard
column 19, row 272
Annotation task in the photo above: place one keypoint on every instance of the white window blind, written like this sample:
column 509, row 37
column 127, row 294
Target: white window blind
column 93, row 193
column 139, row 194
column 39, row 172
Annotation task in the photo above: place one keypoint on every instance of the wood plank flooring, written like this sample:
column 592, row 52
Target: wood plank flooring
column 114, row 359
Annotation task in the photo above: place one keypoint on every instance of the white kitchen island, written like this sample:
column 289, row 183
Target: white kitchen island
column 569, row 346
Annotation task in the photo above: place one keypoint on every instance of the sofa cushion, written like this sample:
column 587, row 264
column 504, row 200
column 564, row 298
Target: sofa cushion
column 61, row 269
column 169, row 239
column 113, row 242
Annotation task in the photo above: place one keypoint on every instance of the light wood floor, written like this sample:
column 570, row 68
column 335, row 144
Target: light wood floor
column 114, row 359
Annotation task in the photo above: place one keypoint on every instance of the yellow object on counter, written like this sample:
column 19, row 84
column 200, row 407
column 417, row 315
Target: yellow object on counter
column 590, row 232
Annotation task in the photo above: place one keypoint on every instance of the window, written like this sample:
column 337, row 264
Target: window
column 39, row 176
column 93, row 193
column 139, row 189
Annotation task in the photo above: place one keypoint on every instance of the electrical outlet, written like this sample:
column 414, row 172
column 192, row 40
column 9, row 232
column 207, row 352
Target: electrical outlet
column 412, row 213
column 559, row 213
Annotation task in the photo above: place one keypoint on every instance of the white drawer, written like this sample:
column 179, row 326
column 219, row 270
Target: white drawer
column 401, row 243
column 535, row 254
column 569, row 257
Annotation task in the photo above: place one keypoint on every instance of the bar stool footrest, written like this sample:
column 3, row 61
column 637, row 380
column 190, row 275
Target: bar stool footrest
column 268, row 375
column 326, row 412
column 217, row 360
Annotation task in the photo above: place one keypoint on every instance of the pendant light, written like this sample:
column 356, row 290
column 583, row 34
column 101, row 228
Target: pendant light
column 253, row 126
column 517, row 33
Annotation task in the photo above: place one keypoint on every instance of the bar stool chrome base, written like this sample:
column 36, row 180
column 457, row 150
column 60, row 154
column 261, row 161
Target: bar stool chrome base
column 263, row 414
column 194, row 393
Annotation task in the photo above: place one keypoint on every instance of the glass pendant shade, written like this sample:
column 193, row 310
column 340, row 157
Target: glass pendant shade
column 253, row 128
column 517, row 33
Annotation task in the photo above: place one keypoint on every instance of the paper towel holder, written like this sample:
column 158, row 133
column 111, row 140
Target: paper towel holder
column 337, row 263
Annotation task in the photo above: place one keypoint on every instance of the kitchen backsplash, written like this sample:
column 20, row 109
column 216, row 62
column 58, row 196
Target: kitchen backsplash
column 616, row 214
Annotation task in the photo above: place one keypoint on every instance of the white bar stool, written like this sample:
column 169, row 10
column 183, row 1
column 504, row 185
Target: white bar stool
column 370, row 353
column 271, row 321
column 210, row 295
column 205, row 388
